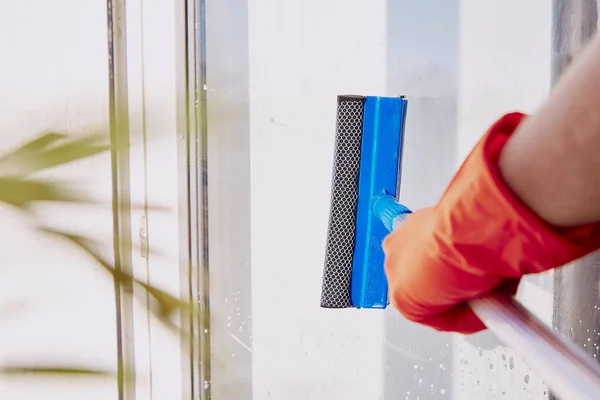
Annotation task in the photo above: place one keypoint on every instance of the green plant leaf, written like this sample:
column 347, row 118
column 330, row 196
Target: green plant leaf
column 32, row 147
column 22, row 192
column 164, row 304
column 19, row 189
column 73, row 150
column 54, row 370
column 51, row 150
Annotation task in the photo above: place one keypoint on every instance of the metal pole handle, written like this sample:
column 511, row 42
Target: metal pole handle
column 565, row 368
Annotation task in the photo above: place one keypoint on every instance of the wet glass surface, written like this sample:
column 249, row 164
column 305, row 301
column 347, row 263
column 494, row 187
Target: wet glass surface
column 461, row 67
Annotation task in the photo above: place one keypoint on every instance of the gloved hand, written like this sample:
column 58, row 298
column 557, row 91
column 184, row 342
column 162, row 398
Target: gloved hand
column 478, row 238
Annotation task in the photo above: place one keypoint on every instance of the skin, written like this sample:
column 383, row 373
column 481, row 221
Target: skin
column 552, row 162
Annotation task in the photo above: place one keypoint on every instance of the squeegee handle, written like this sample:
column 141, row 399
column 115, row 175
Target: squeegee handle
column 565, row 368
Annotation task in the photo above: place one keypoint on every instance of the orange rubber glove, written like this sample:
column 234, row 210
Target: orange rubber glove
column 479, row 238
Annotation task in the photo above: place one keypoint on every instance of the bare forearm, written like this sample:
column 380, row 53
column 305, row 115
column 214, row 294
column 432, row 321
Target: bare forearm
column 552, row 162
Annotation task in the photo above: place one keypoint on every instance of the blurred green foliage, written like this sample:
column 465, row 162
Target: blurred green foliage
column 22, row 187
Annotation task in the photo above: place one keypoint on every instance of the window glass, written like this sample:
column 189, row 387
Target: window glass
column 276, row 69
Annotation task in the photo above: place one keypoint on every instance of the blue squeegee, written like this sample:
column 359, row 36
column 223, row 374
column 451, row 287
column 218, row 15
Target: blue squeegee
column 364, row 209
column 367, row 167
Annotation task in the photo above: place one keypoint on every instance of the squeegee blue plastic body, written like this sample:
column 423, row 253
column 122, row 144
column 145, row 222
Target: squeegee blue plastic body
column 380, row 168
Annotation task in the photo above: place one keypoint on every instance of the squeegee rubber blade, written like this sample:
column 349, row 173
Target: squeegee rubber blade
column 337, row 273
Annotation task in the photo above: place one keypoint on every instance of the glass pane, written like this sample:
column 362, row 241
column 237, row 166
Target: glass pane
column 274, row 70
